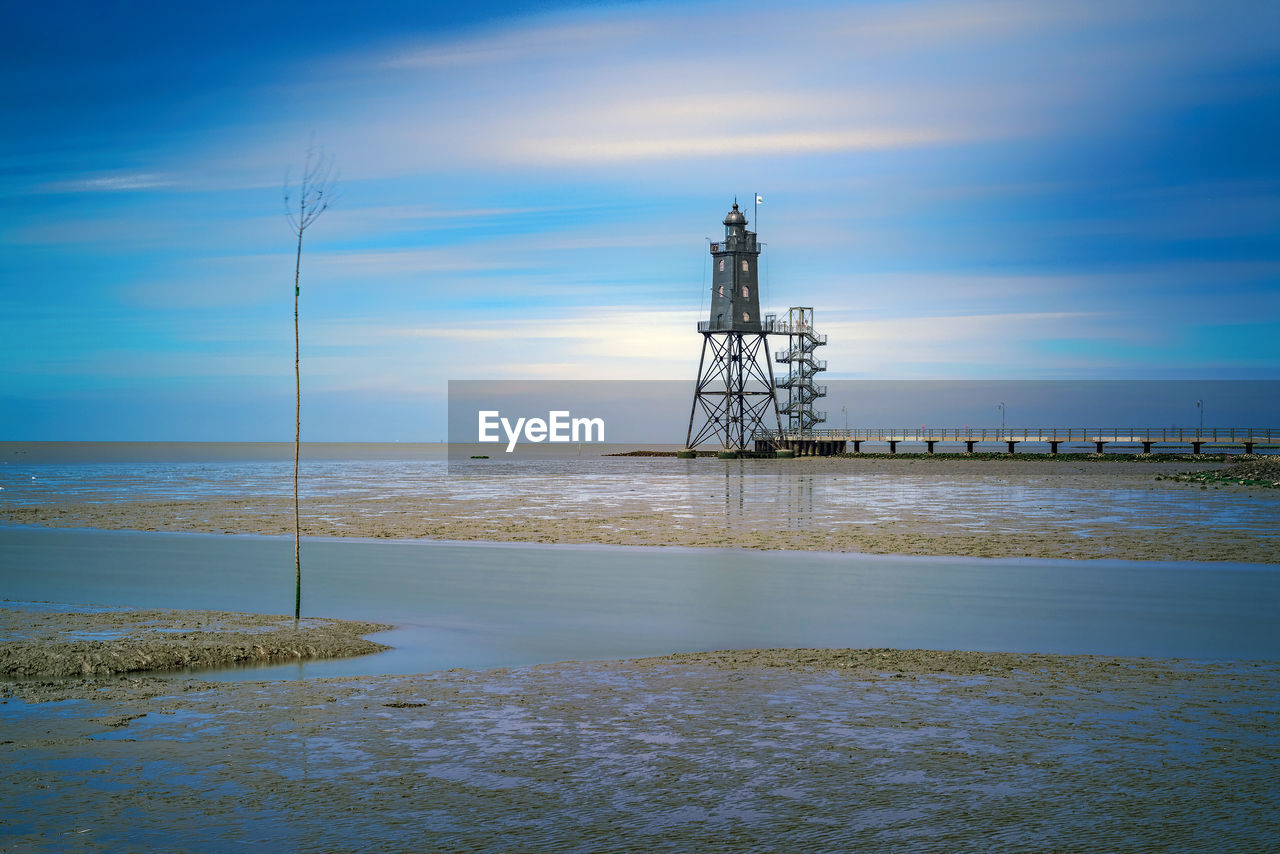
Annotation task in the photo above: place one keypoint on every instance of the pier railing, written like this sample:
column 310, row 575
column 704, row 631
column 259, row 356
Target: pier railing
column 1040, row 434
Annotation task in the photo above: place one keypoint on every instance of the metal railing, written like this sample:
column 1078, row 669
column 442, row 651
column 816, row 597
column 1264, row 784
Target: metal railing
column 1046, row 434
column 746, row 243
column 785, row 328
column 769, row 324
column 766, row 326
column 788, row 381
column 796, row 354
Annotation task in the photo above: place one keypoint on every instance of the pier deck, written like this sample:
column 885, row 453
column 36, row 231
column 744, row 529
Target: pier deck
column 1167, row 439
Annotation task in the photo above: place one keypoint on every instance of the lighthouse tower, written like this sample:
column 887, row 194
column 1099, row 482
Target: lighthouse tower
column 734, row 393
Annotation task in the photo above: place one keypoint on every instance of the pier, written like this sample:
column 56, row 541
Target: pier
column 823, row 443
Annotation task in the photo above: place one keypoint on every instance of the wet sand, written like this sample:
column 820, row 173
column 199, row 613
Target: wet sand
column 1065, row 508
column 813, row 750
column 38, row 642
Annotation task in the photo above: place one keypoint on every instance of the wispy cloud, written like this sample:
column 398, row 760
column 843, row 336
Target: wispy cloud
column 111, row 183
column 391, row 214
column 639, row 83
column 945, row 347
column 515, row 44
column 379, row 263
column 624, row 342
column 575, row 149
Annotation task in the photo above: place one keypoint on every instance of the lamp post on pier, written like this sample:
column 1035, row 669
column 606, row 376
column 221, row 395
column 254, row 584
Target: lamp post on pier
column 1000, row 406
column 845, row 410
column 1200, row 406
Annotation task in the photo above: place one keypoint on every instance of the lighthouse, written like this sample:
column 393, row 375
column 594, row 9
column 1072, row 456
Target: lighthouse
column 733, row 397
column 735, row 295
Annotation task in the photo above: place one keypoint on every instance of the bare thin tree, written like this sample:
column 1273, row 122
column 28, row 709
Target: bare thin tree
column 314, row 195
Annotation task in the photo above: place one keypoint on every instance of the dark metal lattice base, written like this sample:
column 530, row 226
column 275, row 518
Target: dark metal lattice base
column 734, row 391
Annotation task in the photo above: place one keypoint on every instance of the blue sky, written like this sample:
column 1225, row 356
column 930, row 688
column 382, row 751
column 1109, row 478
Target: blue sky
column 964, row 190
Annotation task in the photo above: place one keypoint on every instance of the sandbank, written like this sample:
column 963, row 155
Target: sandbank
column 42, row 642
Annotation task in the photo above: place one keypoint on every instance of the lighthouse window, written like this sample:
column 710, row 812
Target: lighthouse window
column 745, row 292
column 744, row 266
column 745, row 317
column 722, row 290
column 721, row 265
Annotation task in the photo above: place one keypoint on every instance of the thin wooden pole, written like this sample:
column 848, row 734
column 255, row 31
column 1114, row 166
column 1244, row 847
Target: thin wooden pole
column 297, row 429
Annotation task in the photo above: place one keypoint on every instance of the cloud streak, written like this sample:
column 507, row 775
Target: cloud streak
column 113, row 183
column 574, row 149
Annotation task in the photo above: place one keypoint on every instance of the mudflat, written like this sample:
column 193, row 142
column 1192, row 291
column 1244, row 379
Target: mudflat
column 1050, row 508
column 815, row 750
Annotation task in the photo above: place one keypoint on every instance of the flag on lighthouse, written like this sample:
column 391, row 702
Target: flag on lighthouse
column 759, row 199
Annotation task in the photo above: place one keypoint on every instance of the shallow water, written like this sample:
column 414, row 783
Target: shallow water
column 489, row 605
column 479, row 605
